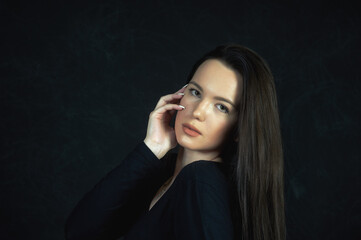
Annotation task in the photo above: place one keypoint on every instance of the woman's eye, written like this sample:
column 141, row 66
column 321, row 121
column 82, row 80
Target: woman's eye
column 223, row 108
column 193, row 92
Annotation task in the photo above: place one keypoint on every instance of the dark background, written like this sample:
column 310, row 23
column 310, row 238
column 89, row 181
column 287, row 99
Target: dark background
column 79, row 79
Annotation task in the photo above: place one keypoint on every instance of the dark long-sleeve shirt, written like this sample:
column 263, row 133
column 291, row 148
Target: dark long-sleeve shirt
column 196, row 205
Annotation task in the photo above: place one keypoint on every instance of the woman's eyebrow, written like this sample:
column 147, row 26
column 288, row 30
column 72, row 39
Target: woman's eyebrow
column 216, row 97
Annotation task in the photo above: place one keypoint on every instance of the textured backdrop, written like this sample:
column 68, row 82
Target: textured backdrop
column 78, row 80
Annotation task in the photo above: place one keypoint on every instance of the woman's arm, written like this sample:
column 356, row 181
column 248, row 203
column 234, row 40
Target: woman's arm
column 116, row 202
column 112, row 206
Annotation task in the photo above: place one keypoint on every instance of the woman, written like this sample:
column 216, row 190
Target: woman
column 225, row 182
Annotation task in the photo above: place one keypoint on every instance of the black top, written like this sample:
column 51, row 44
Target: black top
column 196, row 205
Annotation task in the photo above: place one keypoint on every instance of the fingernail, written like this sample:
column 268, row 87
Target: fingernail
column 185, row 85
column 180, row 93
column 182, row 106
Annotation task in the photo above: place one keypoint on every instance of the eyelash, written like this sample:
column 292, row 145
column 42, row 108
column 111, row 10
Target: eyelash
column 225, row 108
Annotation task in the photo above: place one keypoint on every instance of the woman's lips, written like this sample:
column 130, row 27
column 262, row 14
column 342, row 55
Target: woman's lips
column 190, row 130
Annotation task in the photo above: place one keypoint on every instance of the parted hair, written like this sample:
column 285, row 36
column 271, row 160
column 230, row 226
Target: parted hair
column 253, row 152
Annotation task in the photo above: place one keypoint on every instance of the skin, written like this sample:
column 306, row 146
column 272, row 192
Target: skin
column 207, row 113
column 213, row 117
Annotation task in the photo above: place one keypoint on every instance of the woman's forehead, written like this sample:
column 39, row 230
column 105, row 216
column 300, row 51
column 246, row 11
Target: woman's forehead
column 216, row 78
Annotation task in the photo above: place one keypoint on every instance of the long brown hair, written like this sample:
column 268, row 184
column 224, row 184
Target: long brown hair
column 253, row 152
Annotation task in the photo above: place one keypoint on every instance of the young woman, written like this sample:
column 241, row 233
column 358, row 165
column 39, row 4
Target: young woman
column 225, row 181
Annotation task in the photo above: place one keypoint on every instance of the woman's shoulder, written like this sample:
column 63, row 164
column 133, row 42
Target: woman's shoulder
column 204, row 173
column 202, row 183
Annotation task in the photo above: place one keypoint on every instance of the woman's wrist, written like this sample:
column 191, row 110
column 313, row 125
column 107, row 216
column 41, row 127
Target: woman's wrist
column 155, row 148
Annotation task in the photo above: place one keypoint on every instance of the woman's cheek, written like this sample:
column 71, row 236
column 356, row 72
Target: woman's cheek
column 185, row 100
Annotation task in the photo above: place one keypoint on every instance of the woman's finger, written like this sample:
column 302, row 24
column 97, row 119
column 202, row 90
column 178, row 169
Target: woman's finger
column 182, row 89
column 161, row 110
column 170, row 98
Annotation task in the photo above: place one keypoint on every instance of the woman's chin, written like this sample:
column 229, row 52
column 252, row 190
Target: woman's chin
column 184, row 142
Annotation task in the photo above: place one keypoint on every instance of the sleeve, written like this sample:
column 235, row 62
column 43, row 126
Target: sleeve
column 203, row 213
column 114, row 204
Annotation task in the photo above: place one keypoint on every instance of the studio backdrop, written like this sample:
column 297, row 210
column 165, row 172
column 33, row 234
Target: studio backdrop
column 78, row 80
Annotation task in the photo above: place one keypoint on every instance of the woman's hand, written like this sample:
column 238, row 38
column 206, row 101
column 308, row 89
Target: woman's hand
column 160, row 136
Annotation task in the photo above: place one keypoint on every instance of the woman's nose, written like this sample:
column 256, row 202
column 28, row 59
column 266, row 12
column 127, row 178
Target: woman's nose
column 200, row 110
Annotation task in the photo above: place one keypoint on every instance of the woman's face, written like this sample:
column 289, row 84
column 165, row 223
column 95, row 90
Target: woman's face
column 209, row 100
